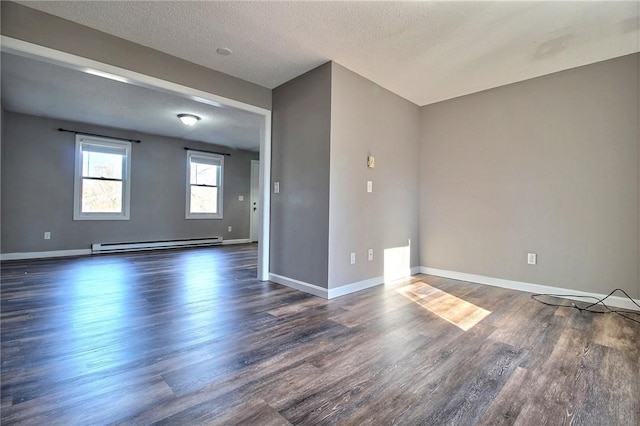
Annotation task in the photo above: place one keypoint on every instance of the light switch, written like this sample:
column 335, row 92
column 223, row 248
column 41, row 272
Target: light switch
column 371, row 161
column 369, row 186
column 276, row 187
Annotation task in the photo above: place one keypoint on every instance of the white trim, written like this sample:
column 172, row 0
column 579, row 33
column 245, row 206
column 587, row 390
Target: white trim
column 299, row 285
column 416, row 270
column 44, row 254
column 620, row 302
column 253, row 226
column 332, row 293
column 265, row 199
column 353, row 287
column 23, row 48
column 78, row 252
column 362, row 285
column 237, row 241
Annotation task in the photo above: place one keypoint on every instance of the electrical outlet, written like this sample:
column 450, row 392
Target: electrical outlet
column 532, row 258
column 229, row 229
column 370, row 254
column 353, row 258
column 240, row 198
column 47, row 235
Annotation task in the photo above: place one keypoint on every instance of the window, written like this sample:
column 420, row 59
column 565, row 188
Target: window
column 204, row 185
column 102, row 179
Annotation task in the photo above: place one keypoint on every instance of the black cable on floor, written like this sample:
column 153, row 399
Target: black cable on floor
column 588, row 308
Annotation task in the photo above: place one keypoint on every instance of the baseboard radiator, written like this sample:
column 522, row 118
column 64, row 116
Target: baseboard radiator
column 97, row 248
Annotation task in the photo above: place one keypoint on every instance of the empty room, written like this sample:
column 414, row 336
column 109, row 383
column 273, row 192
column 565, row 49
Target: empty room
column 314, row 212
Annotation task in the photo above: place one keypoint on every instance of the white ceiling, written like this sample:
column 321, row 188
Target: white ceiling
column 43, row 89
column 423, row 51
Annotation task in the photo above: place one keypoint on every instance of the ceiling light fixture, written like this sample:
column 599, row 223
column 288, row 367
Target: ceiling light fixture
column 224, row 51
column 188, row 119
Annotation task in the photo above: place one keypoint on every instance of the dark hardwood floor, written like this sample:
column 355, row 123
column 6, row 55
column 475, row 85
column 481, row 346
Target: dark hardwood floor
column 191, row 337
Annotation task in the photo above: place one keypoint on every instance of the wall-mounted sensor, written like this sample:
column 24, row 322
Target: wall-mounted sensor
column 371, row 161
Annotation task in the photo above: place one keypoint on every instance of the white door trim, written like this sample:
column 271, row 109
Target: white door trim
column 253, row 226
column 26, row 49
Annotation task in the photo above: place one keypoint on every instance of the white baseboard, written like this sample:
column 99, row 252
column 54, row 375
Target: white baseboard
column 332, row 293
column 238, row 241
column 299, row 285
column 353, row 287
column 78, row 252
column 44, row 254
column 619, row 302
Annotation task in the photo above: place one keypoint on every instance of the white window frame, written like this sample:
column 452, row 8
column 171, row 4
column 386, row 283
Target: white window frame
column 208, row 157
column 82, row 141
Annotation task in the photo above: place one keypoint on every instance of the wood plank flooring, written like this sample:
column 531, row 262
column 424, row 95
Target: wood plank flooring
column 191, row 337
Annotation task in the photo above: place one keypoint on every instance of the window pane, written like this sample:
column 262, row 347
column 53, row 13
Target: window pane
column 204, row 174
column 101, row 196
column 100, row 164
column 204, row 199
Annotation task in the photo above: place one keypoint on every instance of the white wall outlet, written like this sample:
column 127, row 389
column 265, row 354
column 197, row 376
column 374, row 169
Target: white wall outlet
column 353, row 258
column 240, row 198
column 370, row 254
column 229, row 229
column 47, row 235
column 369, row 186
column 276, row 187
column 532, row 258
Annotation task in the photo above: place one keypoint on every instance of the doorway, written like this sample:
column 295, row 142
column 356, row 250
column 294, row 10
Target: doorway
column 30, row 50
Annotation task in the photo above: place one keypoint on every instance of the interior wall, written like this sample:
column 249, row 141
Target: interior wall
column 300, row 163
column 41, row 28
column 37, row 189
column 369, row 120
column 547, row 166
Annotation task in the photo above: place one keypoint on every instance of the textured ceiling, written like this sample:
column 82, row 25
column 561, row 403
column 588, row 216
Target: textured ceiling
column 423, row 51
column 43, row 89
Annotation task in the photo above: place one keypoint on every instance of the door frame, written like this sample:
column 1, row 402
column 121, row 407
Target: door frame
column 67, row 60
column 252, row 224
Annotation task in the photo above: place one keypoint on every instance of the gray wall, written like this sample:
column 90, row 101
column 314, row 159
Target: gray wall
column 37, row 189
column 300, row 152
column 369, row 120
column 549, row 165
column 40, row 28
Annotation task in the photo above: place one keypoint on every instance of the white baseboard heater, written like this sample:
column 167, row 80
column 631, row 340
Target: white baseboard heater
column 97, row 248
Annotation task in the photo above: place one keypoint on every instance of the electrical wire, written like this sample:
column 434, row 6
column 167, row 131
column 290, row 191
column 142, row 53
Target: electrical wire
column 588, row 308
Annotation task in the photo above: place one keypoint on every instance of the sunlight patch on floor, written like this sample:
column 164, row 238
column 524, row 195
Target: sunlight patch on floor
column 450, row 308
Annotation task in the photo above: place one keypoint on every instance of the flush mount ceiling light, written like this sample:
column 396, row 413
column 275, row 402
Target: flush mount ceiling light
column 188, row 119
column 224, row 51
